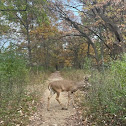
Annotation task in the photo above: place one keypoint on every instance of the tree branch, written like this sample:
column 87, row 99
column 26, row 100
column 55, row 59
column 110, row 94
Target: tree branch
column 21, row 21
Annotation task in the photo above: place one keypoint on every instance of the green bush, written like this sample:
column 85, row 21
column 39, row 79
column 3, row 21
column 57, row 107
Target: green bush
column 87, row 63
column 107, row 97
column 13, row 80
column 20, row 87
column 118, row 69
column 105, row 102
column 13, row 73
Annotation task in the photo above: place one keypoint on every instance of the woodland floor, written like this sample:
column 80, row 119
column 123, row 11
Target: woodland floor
column 56, row 116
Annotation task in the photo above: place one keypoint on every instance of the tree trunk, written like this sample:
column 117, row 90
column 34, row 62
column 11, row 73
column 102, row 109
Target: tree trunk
column 29, row 48
column 29, row 42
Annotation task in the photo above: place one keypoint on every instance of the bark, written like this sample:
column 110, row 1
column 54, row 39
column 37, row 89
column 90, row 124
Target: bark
column 29, row 43
column 26, row 26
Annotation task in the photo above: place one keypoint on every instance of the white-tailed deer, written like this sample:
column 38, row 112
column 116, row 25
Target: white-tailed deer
column 68, row 86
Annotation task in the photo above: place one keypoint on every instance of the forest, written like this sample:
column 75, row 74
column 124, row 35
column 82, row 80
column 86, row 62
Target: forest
column 76, row 38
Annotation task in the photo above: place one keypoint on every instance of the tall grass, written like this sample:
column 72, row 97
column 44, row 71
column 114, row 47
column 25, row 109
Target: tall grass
column 13, row 79
column 37, row 81
column 73, row 74
column 106, row 99
column 18, row 89
column 105, row 102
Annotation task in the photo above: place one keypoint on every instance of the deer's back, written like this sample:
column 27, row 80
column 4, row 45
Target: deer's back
column 62, row 85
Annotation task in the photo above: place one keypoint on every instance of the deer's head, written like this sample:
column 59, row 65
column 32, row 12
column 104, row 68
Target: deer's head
column 84, row 84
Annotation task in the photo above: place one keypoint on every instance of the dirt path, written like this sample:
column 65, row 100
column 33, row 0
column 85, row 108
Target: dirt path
column 56, row 116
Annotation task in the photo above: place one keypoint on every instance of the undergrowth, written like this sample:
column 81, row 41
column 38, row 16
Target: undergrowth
column 18, row 89
column 105, row 102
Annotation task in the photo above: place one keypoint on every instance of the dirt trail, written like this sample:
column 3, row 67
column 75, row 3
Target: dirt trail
column 56, row 116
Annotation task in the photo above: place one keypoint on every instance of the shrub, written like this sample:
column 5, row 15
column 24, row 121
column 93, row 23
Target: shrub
column 107, row 97
column 87, row 64
column 13, row 80
column 20, row 87
column 105, row 102
column 13, row 73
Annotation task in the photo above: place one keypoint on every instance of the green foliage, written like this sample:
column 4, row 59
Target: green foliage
column 20, row 87
column 118, row 69
column 12, row 71
column 107, row 97
column 87, row 63
column 105, row 102
column 26, row 10
column 13, row 80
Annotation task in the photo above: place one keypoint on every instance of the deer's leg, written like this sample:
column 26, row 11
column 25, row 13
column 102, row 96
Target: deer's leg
column 51, row 94
column 69, row 93
column 73, row 100
column 57, row 98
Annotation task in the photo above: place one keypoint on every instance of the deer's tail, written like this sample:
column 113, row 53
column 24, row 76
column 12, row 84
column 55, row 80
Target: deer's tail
column 51, row 89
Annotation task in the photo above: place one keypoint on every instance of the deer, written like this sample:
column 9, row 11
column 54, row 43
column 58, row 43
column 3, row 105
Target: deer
column 66, row 86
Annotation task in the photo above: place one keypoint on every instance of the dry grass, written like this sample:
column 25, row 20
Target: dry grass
column 73, row 74
column 37, row 83
column 16, row 111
